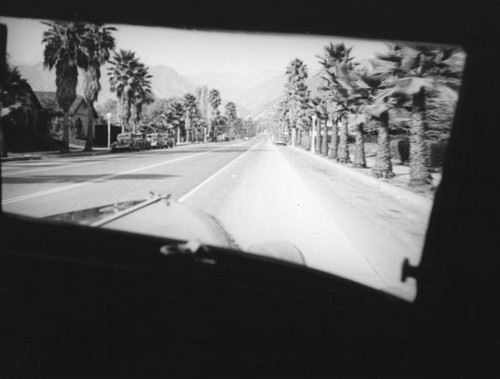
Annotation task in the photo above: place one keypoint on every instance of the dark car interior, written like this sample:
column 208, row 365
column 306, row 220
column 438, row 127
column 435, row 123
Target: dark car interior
column 80, row 302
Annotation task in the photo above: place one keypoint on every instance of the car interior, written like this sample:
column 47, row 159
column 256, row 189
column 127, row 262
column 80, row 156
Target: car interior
column 81, row 302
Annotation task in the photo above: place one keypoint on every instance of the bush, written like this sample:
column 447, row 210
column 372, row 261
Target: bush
column 400, row 150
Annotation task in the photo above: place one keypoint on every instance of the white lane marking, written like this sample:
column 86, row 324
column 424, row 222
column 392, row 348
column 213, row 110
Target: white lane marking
column 203, row 183
column 71, row 186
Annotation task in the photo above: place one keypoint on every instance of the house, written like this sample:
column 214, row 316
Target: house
column 23, row 124
column 78, row 116
column 27, row 114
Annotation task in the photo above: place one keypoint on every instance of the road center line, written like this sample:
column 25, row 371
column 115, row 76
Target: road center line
column 203, row 183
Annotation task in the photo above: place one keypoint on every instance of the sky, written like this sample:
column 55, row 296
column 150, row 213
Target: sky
column 191, row 51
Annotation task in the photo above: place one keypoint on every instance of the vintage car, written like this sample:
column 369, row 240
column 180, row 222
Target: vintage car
column 167, row 140
column 140, row 142
column 155, row 140
column 124, row 141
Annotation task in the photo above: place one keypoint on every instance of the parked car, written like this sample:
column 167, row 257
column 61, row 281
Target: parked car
column 167, row 140
column 124, row 141
column 141, row 142
column 155, row 140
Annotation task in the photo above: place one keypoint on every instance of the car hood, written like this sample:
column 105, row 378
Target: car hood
column 163, row 217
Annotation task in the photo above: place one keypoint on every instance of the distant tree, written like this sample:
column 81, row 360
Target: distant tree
column 109, row 106
column 127, row 78
column 191, row 115
column 215, row 101
column 231, row 117
column 96, row 44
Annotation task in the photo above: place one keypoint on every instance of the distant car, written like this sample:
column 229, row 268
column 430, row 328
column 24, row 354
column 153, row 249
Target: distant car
column 280, row 141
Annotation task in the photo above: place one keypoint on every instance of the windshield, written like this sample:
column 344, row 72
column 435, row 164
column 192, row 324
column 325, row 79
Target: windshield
column 328, row 146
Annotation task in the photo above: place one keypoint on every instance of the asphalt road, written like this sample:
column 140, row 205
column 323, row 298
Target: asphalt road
column 260, row 192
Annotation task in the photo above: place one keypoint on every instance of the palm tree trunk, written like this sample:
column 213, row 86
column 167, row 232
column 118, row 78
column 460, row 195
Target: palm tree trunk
column 90, row 129
column 65, row 140
column 333, row 143
column 343, row 153
column 319, row 146
column 419, row 172
column 359, row 151
column 383, row 163
column 324, row 143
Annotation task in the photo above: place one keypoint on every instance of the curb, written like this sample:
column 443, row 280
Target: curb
column 22, row 158
column 379, row 184
column 78, row 154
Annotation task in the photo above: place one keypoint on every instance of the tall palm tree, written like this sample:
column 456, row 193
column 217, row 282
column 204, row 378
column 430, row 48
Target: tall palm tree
column 414, row 71
column 127, row 76
column 63, row 51
column 296, row 93
column 338, row 75
column 97, row 43
column 215, row 101
column 377, row 110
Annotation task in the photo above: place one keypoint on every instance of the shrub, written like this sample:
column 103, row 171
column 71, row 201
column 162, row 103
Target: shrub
column 400, row 150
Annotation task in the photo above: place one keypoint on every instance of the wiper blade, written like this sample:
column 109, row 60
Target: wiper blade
column 154, row 198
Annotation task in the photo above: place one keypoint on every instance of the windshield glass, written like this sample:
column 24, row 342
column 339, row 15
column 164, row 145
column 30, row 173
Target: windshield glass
column 321, row 147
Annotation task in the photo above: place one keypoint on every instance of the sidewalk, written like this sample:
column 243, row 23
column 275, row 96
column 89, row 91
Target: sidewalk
column 397, row 186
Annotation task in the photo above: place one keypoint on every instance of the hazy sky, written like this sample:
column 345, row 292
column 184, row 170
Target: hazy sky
column 189, row 51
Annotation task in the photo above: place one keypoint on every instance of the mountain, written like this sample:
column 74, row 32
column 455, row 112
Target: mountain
column 231, row 85
column 166, row 81
column 261, row 94
column 263, row 99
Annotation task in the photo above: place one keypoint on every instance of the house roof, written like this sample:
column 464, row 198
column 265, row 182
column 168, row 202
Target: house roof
column 48, row 99
column 33, row 94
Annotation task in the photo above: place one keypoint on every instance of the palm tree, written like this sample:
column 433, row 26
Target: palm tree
column 215, row 101
column 414, row 72
column 127, row 77
column 191, row 113
column 377, row 109
column 296, row 93
column 142, row 97
column 231, row 116
column 174, row 117
column 319, row 108
column 63, row 51
column 10, row 99
column 337, row 74
column 96, row 44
